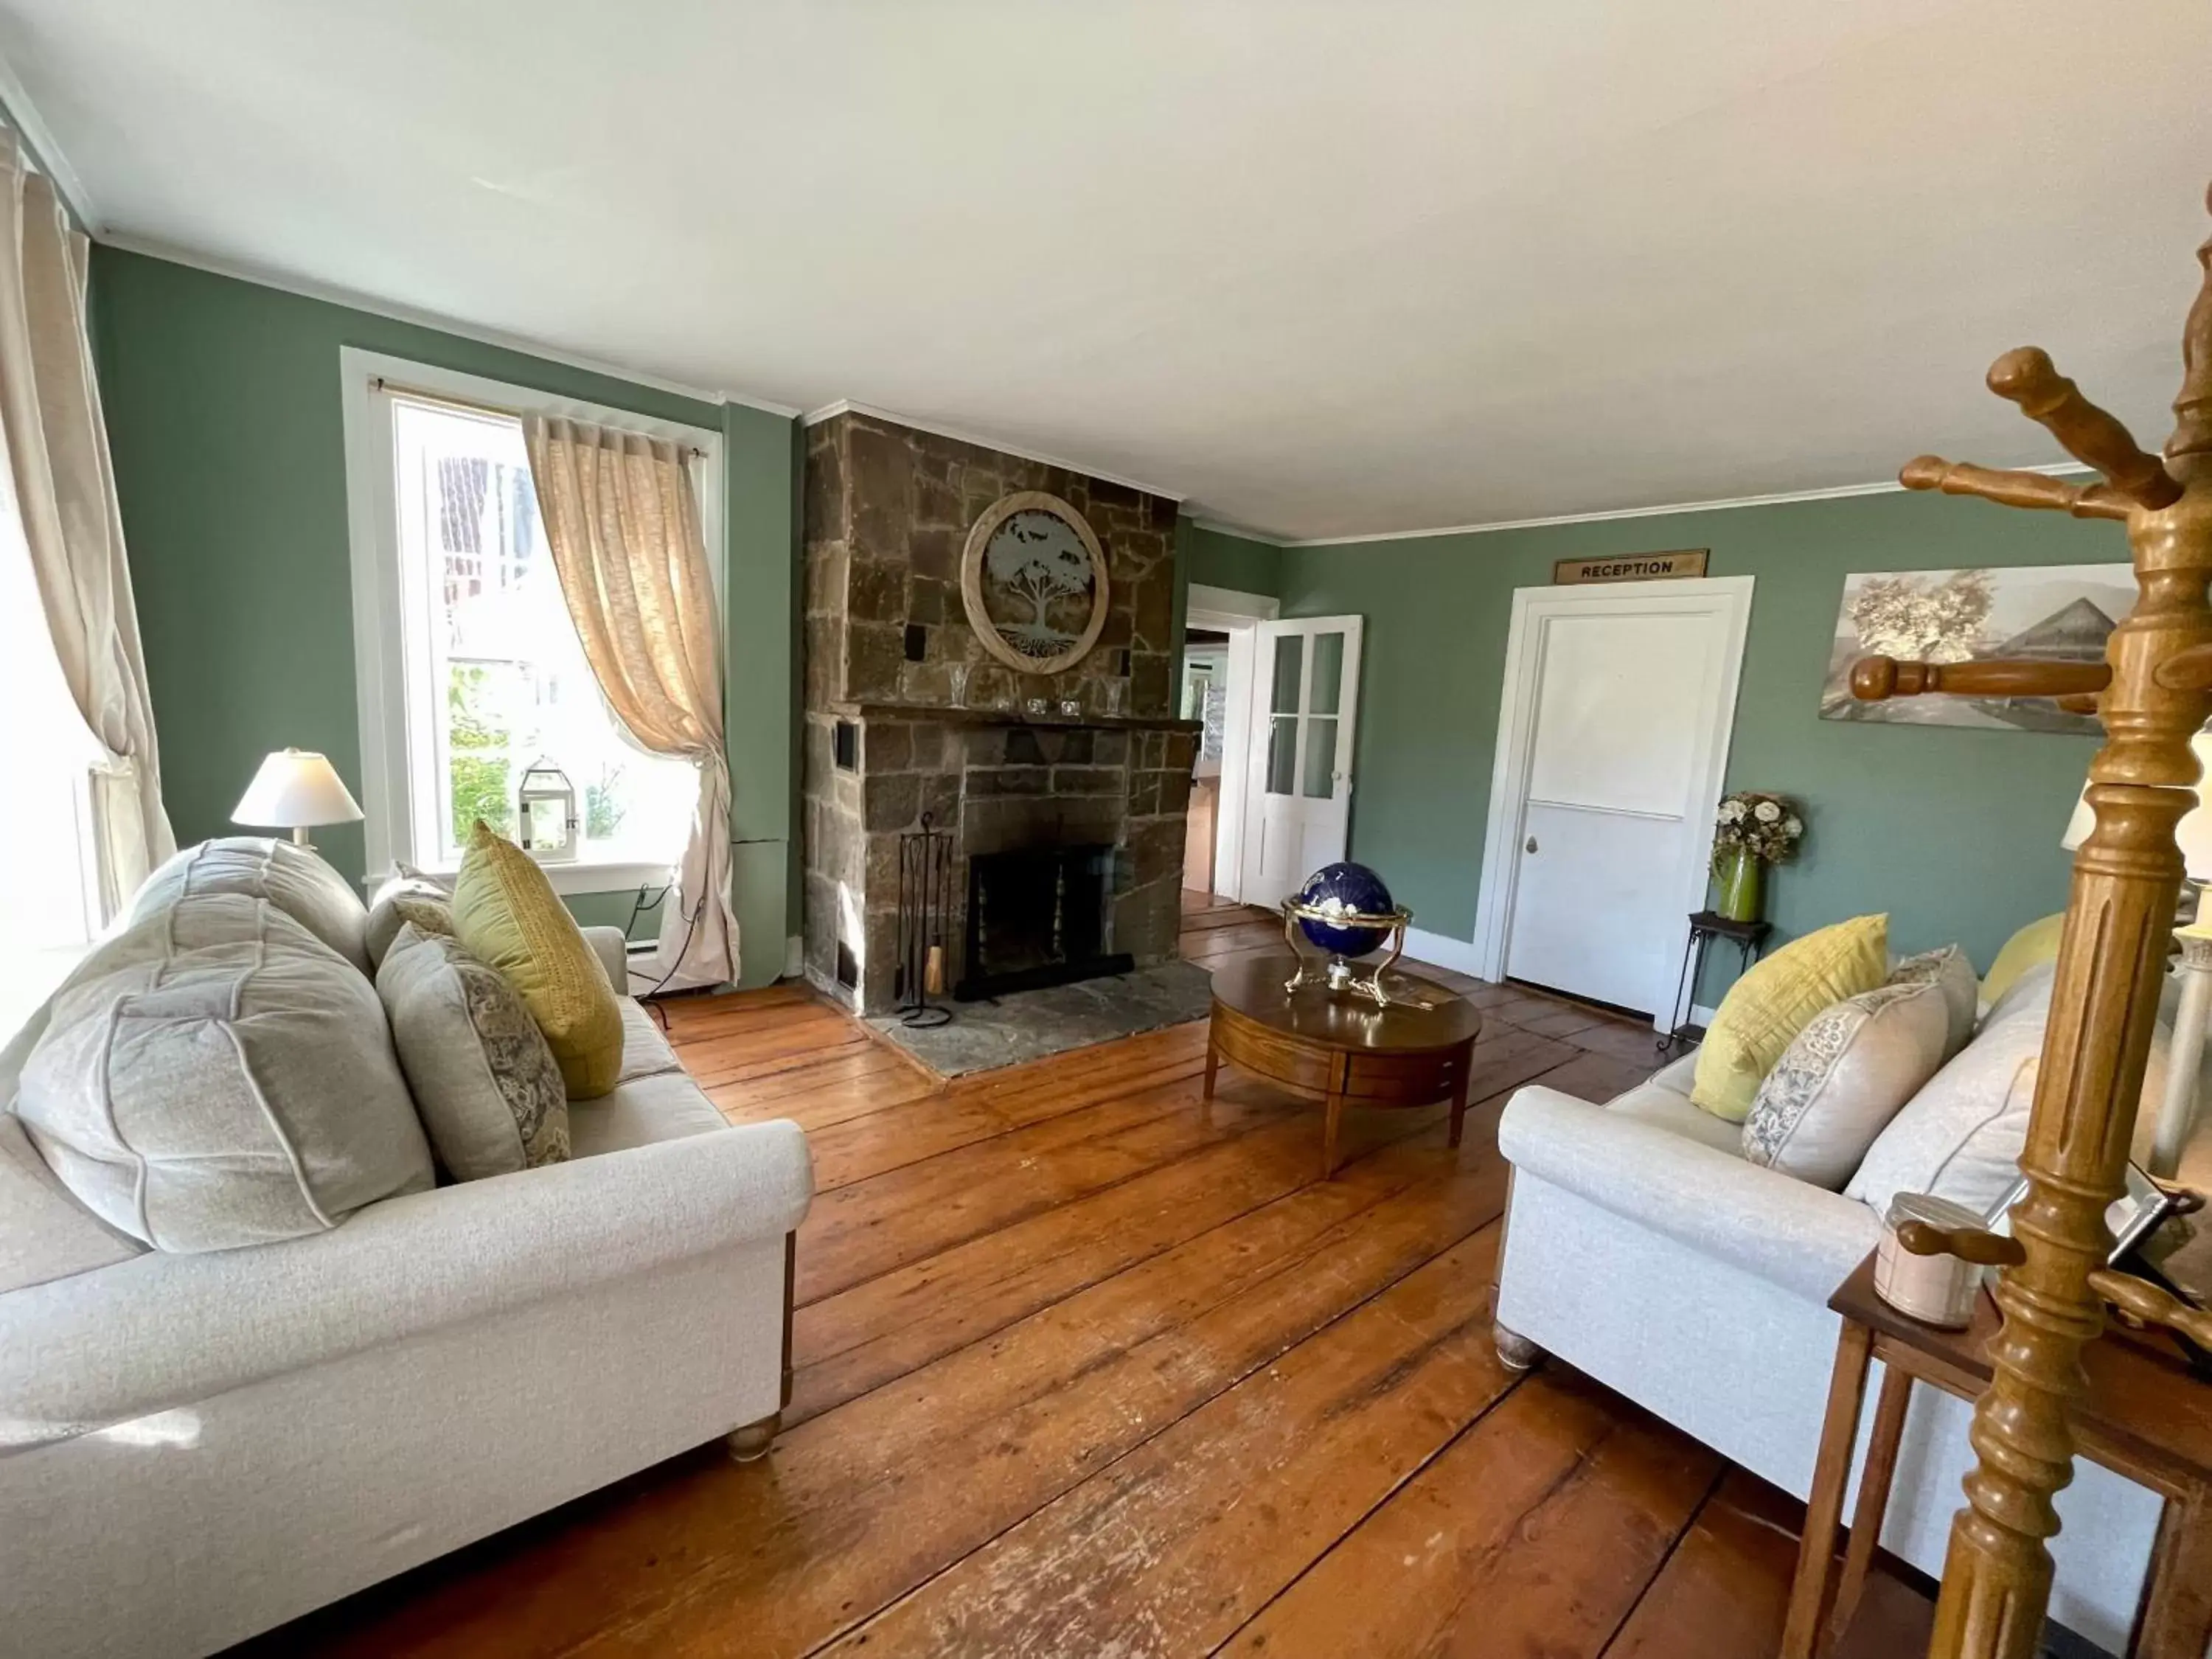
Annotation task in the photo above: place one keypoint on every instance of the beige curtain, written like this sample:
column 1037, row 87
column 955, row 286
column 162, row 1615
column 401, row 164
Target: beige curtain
column 63, row 487
column 623, row 525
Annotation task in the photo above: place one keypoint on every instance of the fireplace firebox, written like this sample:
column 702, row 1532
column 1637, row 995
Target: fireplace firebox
column 1037, row 916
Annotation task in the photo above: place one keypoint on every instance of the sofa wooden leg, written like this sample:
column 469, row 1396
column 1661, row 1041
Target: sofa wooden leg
column 751, row 1443
column 1518, row 1352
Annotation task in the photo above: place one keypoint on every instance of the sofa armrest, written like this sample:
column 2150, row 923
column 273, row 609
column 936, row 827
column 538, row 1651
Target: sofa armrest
column 1792, row 1234
column 611, row 946
column 162, row 1330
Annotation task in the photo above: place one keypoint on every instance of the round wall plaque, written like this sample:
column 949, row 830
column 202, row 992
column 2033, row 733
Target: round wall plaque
column 1033, row 580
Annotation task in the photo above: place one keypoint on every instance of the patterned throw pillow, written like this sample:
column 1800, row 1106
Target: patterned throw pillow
column 1948, row 967
column 484, row 1082
column 407, row 896
column 1842, row 1077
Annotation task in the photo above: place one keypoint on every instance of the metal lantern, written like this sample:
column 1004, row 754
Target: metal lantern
column 545, row 814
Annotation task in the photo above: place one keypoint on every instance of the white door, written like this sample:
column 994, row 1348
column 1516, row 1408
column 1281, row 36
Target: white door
column 1298, row 779
column 1622, row 702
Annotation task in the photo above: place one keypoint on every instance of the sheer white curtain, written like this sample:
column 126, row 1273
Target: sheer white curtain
column 623, row 520
column 59, row 503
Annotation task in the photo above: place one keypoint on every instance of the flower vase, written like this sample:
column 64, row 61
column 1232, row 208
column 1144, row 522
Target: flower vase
column 1738, row 872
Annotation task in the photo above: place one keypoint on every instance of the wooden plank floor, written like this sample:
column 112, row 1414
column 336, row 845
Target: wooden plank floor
column 1079, row 1374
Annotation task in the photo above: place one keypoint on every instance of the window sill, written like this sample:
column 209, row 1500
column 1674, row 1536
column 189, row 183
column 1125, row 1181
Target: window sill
column 582, row 876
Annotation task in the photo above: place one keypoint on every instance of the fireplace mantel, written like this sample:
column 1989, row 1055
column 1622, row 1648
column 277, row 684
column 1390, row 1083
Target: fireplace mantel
column 962, row 717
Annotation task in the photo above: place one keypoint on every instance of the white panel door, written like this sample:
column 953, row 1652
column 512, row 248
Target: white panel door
column 1298, row 776
column 1624, row 710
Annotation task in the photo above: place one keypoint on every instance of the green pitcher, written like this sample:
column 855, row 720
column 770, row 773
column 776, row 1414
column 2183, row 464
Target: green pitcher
column 1738, row 872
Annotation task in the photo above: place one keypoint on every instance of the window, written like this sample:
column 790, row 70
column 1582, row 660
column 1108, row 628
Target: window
column 49, row 868
column 472, row 672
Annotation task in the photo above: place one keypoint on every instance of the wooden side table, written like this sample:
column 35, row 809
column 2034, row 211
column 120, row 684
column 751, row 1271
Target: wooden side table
column 1340, row 1047
column 2146, row 1417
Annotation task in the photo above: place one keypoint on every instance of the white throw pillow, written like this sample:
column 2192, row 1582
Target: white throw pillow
column 485, row 1084
column 216, row 1076
column 1961, row 1137
column 1842, row 1077
column 1946, row 966
column 293, row 878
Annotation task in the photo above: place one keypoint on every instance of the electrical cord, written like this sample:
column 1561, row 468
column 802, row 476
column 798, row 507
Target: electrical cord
column 637, row 909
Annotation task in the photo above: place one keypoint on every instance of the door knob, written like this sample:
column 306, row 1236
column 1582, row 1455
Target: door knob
column 1531, row 846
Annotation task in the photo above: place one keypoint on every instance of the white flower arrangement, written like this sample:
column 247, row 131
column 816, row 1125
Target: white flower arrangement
column 1768, row 827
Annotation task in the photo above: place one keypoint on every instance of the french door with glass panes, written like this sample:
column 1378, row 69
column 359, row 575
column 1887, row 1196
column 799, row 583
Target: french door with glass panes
column 1298, row 781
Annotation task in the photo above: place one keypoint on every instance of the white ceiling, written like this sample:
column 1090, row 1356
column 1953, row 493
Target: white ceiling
column 1321, row 269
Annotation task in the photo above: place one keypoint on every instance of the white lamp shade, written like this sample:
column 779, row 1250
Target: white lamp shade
column 2194, row 832
column 295, row 789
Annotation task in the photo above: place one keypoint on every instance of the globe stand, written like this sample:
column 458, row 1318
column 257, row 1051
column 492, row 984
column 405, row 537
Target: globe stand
column 1333, row 970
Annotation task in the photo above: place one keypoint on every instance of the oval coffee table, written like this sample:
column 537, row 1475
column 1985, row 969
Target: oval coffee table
column 1343, row 1048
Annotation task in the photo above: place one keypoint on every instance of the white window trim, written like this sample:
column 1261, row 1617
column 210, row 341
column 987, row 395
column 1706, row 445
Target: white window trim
column 379, row 623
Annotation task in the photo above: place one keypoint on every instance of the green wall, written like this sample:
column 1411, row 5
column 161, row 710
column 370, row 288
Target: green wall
column 223, row 407
column 1955, row 832
column 1218, row 558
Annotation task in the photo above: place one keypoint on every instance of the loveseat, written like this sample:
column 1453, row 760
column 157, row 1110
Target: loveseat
column 1642, row 1247
column 196, row 1446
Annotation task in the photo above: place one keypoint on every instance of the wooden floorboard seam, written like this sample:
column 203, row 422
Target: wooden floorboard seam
column 1368, row 1514
column 1228, row 1383
column 1659, row 1568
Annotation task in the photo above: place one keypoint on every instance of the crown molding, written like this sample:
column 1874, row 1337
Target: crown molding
column 1243, row 532
column 38, row 138
column 936, row 428
column 330, row 293
column 1839, row 492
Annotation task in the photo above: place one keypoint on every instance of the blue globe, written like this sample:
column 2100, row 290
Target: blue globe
column 1352, row 889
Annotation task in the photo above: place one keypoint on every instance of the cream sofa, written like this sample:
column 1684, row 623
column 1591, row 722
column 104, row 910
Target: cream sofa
column 1641, row 1248
column 195, row 1448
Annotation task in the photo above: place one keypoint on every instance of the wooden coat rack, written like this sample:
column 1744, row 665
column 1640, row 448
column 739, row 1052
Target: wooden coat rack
column 2153, row 691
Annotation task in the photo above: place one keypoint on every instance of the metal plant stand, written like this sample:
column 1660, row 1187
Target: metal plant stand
column 1706, row 926
column 925, row 879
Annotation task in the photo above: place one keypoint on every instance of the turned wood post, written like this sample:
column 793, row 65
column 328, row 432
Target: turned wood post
column 2111, row 963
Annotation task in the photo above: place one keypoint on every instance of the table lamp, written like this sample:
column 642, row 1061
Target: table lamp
column 2177, row 1113
column 296, row 789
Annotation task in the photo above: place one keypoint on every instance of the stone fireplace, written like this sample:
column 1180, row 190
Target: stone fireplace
column 1062, row 796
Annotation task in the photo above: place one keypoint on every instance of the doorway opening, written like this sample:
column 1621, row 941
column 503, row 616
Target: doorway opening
column 1220, row 634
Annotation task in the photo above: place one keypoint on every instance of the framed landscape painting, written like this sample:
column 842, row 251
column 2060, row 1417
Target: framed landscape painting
column 2058, row 612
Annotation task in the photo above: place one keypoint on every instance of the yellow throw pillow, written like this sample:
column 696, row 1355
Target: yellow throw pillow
column 1766, row 1009
column 2037, row 942
column 507, row 916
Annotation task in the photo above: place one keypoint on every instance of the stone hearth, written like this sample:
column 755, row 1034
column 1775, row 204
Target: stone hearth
column 906, row 715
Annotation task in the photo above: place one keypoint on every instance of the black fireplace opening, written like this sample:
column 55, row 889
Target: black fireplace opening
column 1038, row 917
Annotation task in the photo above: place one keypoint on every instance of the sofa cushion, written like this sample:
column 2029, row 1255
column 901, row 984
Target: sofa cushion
column 1773, row 1001
column 1948, row 967
column 666, row 1106
column 646, row 1052
column 1961, row 1136
column 402, row 899
column 293, row 878
column 1844, row 1077
column 1670, row 1109
column 216, row 1076
column 507, row 916
column 485, row 1084
column 44, row 1233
